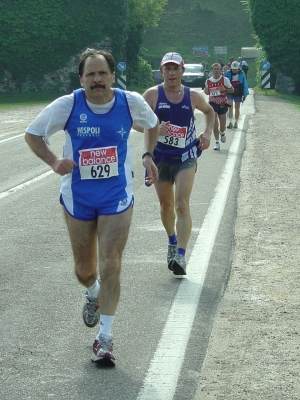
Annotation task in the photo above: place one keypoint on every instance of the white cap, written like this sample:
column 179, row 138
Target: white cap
column 235, row 65
column 172, row 58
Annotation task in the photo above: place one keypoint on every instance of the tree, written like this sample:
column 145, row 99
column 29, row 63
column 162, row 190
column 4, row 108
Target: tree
column 39, row 36
column 143, row 15
column 277, row 25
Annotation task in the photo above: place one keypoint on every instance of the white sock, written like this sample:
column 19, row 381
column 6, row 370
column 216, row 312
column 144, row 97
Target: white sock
column 222, row 133
column 106, row 322
column 93, row 291
column 230, row 120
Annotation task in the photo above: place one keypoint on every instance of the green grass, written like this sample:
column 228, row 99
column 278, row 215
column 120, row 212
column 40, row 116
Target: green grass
column 290, row 98
column 12, row 100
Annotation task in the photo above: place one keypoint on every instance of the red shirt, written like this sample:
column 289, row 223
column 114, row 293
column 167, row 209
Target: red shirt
column 215, row 96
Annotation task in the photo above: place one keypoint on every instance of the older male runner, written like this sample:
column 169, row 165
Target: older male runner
column 217, row 87
column 96, row 184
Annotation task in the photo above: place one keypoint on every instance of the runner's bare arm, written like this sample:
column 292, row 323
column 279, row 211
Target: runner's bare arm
column 151, row 96
column 228, row 86
column 61, row 166
column 230, row 90
column 205, row 90
column 137, row 128
column 200, row 103
column 150, row 141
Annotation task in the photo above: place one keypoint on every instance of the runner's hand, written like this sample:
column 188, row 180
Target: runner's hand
column 164, row 128
column 204, row 138
column 152, row 171
column 63, row 166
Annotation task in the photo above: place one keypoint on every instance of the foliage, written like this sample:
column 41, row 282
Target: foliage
column 201, row 9
column 142, row 76
column 39, row 36
column 277, row 25
column 116, row 28
column 143, row 14
column 186, row 24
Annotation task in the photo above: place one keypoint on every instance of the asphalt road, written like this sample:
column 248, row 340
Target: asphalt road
column 45, row 347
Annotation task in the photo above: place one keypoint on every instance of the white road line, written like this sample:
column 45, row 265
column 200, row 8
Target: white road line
column 161, row 379
column 24, row 185
column 11, row 138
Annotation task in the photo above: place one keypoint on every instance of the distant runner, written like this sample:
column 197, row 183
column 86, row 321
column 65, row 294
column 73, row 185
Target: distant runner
column 217, row 88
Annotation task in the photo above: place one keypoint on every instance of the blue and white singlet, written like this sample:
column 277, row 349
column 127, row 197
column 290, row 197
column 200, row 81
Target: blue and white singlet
column 99, row 144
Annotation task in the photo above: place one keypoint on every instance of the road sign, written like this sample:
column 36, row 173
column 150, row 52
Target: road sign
column 220, row 50
column 265, row 80
column 199, row 53
column 200, row 48
column 121, row 81
column 265, row 65
column 121, row 66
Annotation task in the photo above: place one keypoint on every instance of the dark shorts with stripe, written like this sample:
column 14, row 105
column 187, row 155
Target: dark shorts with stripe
column 167, row 172
column 220, row 110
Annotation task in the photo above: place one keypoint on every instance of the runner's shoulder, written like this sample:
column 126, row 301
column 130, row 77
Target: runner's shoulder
column 151, row 95
column 152, row 90
column 196, row 97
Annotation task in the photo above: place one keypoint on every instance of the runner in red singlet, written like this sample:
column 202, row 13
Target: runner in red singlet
column 217, row 88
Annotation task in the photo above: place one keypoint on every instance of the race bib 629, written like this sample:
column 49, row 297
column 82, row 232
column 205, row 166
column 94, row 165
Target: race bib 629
column 100, row 163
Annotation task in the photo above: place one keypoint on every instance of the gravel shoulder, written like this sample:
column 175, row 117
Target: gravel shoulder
column 254, row 347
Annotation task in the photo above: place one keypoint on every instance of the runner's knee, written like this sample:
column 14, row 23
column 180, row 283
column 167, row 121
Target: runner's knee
column 182, row 207
column 110, row 269
column 85, row 274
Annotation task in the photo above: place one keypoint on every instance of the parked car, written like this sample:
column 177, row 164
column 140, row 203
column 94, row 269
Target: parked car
column 157, row 76
column 194, row 75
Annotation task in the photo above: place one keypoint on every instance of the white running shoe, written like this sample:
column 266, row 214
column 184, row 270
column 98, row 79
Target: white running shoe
column 217, row 146
column 223, row 138
column 102, row 351
column 90, row 311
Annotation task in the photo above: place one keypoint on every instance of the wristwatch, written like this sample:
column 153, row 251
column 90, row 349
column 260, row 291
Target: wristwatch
column 148, row 154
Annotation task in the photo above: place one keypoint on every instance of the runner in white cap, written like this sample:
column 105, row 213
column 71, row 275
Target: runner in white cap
column 176, row 153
